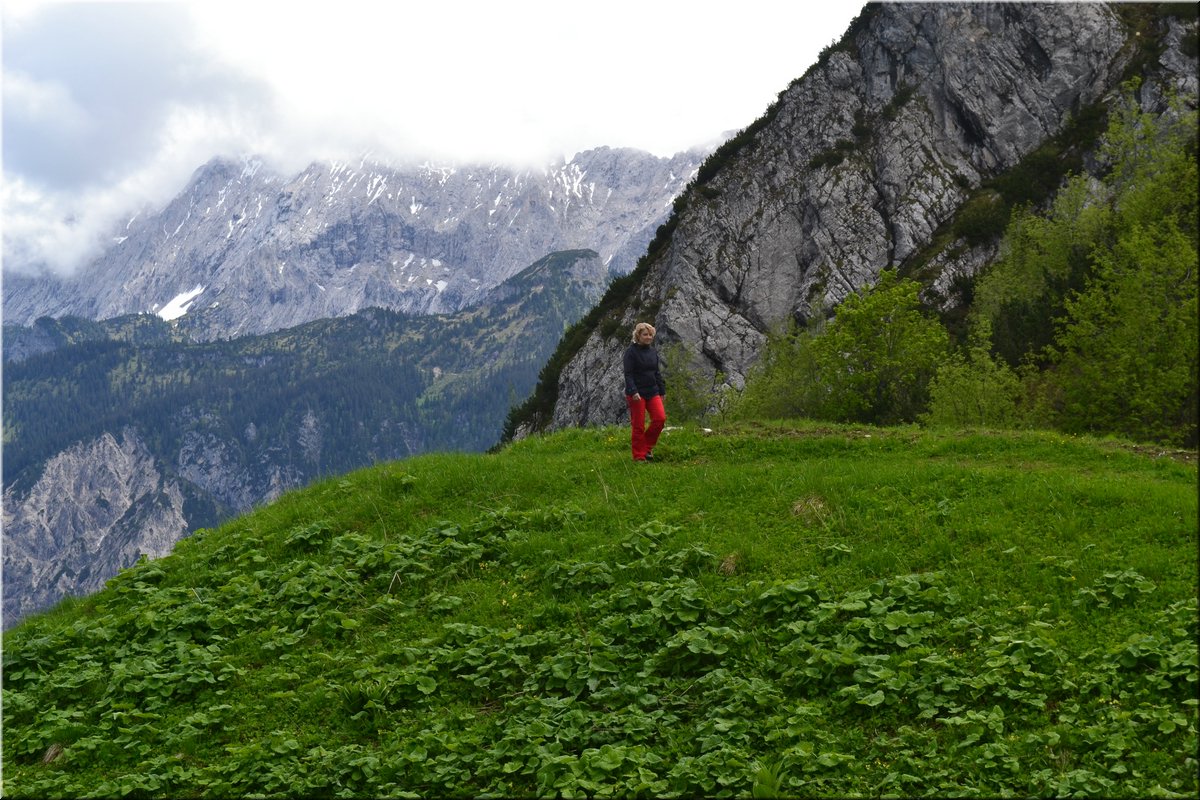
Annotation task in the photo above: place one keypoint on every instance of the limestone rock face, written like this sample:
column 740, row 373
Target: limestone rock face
column 95, row 510
column 854, row 170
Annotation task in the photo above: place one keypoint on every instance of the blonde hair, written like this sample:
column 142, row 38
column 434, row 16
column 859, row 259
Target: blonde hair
column 642, row 326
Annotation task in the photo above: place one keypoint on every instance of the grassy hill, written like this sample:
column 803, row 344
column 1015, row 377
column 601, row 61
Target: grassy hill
column 774, row 609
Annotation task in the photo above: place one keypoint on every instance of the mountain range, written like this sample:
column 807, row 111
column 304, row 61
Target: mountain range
column 260, row 332
column 242, row 250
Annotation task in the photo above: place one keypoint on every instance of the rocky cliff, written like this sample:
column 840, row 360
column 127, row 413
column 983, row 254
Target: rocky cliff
column 96, row 508
column 243, row 251
column 861, row 166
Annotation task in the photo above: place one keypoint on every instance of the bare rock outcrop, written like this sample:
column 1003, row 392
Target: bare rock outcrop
column 96, row 509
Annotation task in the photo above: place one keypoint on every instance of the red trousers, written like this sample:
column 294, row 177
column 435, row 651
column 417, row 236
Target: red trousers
column 644, row 438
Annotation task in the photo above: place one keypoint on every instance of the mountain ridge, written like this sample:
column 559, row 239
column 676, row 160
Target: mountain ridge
column 253, row 251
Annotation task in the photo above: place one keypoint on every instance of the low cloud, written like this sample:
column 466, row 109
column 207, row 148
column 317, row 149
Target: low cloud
column 110, row 107
column 107, row 108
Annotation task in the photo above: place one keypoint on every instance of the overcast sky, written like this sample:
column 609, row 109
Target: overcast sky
column 108, row 107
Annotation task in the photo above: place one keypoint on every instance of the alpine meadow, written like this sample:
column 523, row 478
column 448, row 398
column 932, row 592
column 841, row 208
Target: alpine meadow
column 775, row 609
column 939, row 538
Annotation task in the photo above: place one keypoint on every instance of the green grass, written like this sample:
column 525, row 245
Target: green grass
column 779, row 608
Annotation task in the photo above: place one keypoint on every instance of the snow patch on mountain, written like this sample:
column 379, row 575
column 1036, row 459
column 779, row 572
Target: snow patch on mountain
column 179, row 304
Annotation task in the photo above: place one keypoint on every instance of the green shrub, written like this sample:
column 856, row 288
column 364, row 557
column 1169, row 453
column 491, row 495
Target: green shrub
column 903, row 94
column 783, row 382
column 693, row 395
column 982, row 218
column 975, row 390
column 877, row 356
column 1100, row 291
column 871, row 363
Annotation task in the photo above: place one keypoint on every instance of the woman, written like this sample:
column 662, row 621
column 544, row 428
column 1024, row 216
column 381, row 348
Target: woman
column 644, row 392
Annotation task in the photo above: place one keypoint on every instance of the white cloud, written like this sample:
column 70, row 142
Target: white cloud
column 47, row 105
column 528, row 80
column 37, row 231
column 110, row 106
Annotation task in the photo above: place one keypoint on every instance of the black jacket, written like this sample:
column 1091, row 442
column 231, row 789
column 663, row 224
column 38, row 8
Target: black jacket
column 642, row 373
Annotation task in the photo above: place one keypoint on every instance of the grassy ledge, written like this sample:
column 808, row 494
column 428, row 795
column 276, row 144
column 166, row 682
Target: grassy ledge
column 777, row 609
